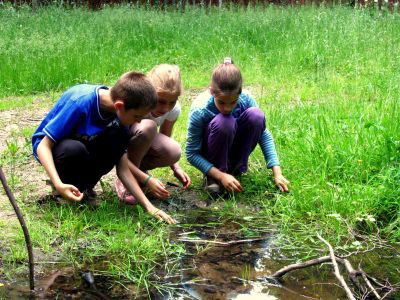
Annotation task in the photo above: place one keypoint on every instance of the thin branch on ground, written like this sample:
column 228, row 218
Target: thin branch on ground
column 369, row 287
column 336, row 268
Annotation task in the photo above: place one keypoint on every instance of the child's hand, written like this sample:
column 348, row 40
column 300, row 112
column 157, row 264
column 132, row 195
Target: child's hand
column 69, row 192
column 161, row 215
column 282, row 183
column 231, row 183
column 182, row 177
column 157, row 188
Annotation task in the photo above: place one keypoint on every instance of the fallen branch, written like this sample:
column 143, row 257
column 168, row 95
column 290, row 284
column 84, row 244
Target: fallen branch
column 369, row 287
column 364, row 276
column 24, row 229
column 309, row 263
column 337, row 272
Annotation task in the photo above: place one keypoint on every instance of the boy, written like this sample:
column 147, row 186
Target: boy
column 150, row 148
column 86, row 134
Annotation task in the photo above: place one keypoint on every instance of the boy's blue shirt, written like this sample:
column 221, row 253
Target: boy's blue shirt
column 76, row 115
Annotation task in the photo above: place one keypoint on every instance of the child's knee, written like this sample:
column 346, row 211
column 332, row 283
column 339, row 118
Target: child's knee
column 255, row 116
column 70, row 149
column 145, row 130
column 174, row 152
column 223, row 124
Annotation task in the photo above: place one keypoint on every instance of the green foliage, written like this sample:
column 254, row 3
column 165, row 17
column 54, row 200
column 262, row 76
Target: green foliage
column 54, row 48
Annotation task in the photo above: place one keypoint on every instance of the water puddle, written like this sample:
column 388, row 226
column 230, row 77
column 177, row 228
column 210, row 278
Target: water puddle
column 230, row 259
column 68, row 284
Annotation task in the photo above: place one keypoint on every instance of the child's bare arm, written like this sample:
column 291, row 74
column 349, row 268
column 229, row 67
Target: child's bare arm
column 155, row 186
column 167, row 127
column 130, row 182
column 45, row 154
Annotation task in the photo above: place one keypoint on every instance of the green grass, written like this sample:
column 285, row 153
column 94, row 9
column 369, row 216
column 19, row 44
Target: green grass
column 327, row 48
column 117, row 240
column 328, row 80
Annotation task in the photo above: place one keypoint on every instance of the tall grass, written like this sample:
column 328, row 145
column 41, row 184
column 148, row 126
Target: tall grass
column 328, row 80
column 54, row 48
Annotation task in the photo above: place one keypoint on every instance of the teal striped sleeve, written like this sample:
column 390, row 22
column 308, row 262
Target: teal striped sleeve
column 268, row 149
column 266, row 141
column 194, row 141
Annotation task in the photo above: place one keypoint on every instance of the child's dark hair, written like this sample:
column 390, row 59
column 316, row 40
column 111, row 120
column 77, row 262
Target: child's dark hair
column 226, row 79
column 136, row 90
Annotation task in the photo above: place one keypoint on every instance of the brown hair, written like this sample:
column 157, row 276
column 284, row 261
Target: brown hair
column 166, row 79
column 226, row 79
column 136, row 90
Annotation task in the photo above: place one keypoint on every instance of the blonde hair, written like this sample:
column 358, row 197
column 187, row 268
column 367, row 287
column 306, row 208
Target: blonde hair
column 166, row 79
column 226, row 79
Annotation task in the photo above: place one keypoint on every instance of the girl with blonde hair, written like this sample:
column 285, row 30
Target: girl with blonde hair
column 150, row 148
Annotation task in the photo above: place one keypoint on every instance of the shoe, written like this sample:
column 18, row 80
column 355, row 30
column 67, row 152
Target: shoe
column 55, row 195
column 211, row 185
column 54, row 192
column 90, row 198
column 123, row 193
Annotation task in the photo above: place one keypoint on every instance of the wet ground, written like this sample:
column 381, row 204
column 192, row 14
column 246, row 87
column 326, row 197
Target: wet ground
column 227, row 257
column 231, row 259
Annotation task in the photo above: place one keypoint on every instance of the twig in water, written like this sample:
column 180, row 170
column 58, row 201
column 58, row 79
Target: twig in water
column 364, row 276
column 367, row 290
column 337, row 272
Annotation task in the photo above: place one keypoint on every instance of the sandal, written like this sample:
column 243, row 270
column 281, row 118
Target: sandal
column 123, row 193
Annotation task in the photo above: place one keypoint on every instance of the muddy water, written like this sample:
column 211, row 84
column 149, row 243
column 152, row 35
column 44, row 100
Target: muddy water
column 231, row 259
column 226, row 258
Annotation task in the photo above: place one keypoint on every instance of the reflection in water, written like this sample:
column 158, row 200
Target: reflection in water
column 218, row 265
column 258, row 292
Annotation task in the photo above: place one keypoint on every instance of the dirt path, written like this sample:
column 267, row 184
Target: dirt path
column 29, row 185
column 29, row 178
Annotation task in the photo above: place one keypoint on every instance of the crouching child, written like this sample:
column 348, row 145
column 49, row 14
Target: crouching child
column 86, row 134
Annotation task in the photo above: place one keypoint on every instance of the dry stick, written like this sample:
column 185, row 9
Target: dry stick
column 24, row 228
column 369, row 284
column 313, row 262
column 222, row 243
column 337, row 272
column 308, row 263
column 353, row 274
column 391, row 291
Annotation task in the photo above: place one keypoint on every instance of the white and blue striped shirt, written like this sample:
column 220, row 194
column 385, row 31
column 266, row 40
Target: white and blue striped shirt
column 202, row 111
